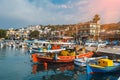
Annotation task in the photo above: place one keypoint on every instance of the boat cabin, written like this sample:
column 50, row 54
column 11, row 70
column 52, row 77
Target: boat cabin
column 105, row 62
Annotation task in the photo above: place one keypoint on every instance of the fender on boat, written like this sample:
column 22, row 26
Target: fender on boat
column 34, row 58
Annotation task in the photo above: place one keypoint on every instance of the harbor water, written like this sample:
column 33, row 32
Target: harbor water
column 15, row 64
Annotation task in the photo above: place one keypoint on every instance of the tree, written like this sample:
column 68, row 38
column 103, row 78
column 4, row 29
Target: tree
column 2, row 33
column 96, row 18
column 34, row 34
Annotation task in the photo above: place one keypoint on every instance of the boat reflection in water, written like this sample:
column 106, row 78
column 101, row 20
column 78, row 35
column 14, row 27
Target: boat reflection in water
column 67, row 72
column 53, row 71
column 57, row 72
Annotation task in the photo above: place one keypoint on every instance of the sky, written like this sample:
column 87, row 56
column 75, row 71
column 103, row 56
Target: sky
column 21, row 13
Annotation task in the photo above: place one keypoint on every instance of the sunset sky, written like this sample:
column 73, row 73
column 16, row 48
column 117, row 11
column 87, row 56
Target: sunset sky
column 20, row 13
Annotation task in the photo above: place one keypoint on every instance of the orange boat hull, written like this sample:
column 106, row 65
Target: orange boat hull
column 61, row 59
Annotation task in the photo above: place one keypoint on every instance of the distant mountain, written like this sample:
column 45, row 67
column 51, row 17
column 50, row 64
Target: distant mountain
column 119, row 22
column 111, row 26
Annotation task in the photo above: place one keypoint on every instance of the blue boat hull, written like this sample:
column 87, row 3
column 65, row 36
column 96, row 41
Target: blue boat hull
column 91, row 69
column 107, row 69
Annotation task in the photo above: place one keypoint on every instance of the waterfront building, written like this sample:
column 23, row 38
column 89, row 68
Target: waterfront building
column 86, row 30
column 91, row 29
column 11, row 33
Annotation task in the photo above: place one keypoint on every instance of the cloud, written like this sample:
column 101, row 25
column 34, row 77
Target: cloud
column 20, row 13
column 108, row 10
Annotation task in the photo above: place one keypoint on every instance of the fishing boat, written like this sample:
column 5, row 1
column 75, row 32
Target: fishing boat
column 47, row 46
column 103, row 66
column 83, row 61
column 38, row 58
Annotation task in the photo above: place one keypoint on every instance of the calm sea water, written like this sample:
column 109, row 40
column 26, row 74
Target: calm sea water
column 15, row 65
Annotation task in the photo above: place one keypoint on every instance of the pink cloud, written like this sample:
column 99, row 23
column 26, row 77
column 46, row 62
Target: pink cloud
column 109, row 10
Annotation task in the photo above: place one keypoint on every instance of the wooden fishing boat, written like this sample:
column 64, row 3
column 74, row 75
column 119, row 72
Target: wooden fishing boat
column 103, row 66
column 37, row 58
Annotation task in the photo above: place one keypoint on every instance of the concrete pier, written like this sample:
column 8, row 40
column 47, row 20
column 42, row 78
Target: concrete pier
column 110, row 50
